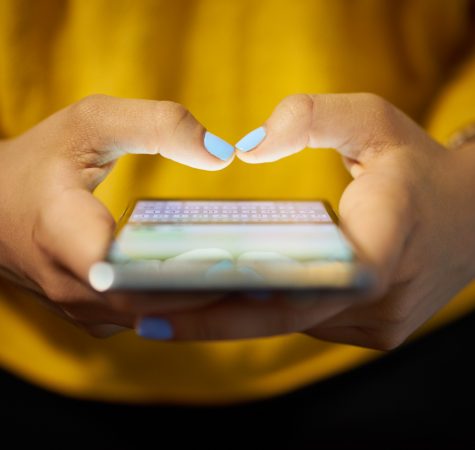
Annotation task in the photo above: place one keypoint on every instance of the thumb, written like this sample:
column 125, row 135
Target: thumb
column 358, row 126
column 376, row 215
column 94, row 132
column 75, row 230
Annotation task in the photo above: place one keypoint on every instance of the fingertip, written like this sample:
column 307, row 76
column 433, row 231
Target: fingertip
column 265, row 152
column 271, row 142
column 217, row 146
column 251, row 140
column 248, row 157
column 218, row 165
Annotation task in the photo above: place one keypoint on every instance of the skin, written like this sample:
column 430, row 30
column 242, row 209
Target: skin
column 406, row 208
column 50, row 172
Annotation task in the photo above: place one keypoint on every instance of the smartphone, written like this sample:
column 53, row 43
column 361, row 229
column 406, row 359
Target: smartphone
column 231, row 245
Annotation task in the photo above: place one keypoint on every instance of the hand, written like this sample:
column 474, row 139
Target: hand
column 51, row 226
column 407, row 208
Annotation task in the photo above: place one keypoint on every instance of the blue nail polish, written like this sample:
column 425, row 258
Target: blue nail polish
column 218, row 147
column 251, row 140
column 155, row 328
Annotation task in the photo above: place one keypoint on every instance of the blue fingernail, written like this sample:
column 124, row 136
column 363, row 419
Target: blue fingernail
column 251, row 140
column 217, row 146
column 155, row 328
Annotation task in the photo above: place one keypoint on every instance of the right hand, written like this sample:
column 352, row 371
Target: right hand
column 52, row 229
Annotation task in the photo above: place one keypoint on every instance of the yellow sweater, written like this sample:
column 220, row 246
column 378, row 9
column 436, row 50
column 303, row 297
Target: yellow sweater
column 229, row 62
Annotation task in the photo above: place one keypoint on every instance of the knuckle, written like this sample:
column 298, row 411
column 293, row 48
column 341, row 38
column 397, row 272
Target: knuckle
column 84, row 116
column 297, row 105
column 173, row 109
column 376, row 102
column 385, row 128
column 170, row 116
column 88, row 107
column 381, row 112
column 171, row 112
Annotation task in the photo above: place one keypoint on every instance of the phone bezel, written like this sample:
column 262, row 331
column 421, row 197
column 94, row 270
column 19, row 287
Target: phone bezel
column 359, row 258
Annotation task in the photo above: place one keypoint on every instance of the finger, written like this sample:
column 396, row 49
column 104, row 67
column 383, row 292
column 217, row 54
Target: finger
column 116, row 126
column 99, row 129
column 357, row 125
column 97, row 319
column 240, row 319
column 56, row 282
column 82, row 240
column 75, row 230
column 376, row 213
column 382, row 325
column 197, row 264
column 85, row 313
column 158, row 303
column 62, row 291
column 105, row 330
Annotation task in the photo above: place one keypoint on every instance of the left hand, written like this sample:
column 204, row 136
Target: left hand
column 407, row 208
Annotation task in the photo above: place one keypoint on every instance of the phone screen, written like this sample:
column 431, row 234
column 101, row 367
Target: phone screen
column 235, row 244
